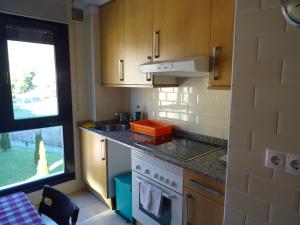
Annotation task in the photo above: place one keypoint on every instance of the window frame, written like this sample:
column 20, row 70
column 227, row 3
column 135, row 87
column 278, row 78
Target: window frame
column 64, row 117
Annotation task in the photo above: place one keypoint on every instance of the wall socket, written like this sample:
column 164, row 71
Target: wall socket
column 281, row 161
column 275, row 160
column 293, row 164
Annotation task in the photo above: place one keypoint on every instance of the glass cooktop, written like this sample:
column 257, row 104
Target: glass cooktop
column 181, row 148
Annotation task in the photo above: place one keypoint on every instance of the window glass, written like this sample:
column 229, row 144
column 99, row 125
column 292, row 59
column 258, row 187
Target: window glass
column 30, row 155
column 33, row 79
column 36, row 123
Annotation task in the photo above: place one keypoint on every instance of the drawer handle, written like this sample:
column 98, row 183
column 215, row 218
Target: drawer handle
column 205, row 188
column 215, row 53
column 149, row 75
column 121, row 69
column 103, row 149
column 187, row 202
column 156, row 44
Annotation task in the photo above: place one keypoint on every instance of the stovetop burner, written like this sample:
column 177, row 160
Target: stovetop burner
column 181, row 148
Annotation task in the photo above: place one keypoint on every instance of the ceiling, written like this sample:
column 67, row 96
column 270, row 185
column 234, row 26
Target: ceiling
column 83, row 3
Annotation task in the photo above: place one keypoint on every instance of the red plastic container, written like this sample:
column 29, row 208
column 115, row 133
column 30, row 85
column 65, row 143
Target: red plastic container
column 152, row 128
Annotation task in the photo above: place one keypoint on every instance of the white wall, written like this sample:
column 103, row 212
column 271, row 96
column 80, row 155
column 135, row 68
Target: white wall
column 265, row 114
column 190, row 106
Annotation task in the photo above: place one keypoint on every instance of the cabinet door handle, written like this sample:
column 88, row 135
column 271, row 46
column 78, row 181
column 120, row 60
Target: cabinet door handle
column 103, row 149
column 156, row 44
column 188, row 197
column 121, row 69
column 205, row 188
column 149, row 75
column 215, row 53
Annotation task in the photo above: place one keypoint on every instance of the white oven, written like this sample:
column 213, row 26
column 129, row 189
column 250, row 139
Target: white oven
column 164, row 176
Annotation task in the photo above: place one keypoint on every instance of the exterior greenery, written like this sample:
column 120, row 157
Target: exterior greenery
column 5, row 142
column 12, row 172
column 38, row 139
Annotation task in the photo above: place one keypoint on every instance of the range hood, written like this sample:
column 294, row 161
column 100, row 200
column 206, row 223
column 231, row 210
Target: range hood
column 189, row 67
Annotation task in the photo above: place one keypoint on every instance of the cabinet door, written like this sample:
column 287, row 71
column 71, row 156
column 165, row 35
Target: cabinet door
column 200, row 210
column 94, row 162
column 112, row 46
column 181, row 28
column 222, row 36
column 137, row 39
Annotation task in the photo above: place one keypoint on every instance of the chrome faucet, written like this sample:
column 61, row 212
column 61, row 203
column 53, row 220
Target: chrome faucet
column 122, row 117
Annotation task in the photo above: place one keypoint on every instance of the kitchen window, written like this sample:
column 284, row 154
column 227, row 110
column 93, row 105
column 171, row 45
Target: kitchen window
column 36, row 126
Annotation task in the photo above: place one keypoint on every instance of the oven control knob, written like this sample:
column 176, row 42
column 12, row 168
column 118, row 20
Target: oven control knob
column 156, row 175
column 173, row 184
column 167, row 181
column 161, row 178
column 147, row 171
column 138, row 167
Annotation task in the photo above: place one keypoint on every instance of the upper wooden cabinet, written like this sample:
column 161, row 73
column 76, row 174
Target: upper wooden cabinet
column 126, row 42
column 137, row 40
column 112, row 43
column 181, row 28
column 222, row 28
column 136, row 31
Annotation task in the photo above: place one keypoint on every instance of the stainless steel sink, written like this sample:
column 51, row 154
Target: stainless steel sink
column 113, row 127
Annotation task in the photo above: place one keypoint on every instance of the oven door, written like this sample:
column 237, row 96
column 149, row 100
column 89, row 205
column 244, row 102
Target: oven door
column 171, row 213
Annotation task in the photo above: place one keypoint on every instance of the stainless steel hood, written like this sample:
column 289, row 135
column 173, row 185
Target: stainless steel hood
column 189, row 67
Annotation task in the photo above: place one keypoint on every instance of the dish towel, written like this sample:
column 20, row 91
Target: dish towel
column 150, row 198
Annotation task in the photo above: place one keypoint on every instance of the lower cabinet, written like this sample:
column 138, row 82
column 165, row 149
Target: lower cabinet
column 201, row 210
column 203, row 201
column 101, row 161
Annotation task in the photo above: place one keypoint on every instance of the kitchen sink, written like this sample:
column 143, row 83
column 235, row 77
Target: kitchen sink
column 113, row 127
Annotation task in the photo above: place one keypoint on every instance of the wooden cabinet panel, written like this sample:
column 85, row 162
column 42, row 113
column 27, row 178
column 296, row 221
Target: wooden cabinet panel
column 183, row 26
column 203, row 200
column 137, row 39
column 202, row 210
column 201, row 184
column 112, row 44
column 94, row 163
column 222, row 28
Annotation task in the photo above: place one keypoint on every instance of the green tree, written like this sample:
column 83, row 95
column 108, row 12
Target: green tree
column 38, row 139
column 42, row 168
column 27, row 84
column 5, row 142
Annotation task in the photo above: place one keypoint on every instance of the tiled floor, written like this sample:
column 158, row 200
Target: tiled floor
column 92, row 211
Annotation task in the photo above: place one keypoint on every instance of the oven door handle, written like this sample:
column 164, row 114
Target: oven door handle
column 140, row 180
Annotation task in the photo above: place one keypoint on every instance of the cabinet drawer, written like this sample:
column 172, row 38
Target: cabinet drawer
column 202, row 185
column 200, row 210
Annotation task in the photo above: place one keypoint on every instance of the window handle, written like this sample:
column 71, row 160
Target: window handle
column 6, row 74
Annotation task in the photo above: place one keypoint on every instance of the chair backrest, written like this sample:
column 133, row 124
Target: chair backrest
column 57, row 206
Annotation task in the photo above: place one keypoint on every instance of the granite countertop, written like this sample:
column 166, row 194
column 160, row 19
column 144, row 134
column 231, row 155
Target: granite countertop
column 209, row 166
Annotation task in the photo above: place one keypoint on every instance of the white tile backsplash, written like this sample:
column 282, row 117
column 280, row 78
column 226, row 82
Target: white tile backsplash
column 190, row 106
